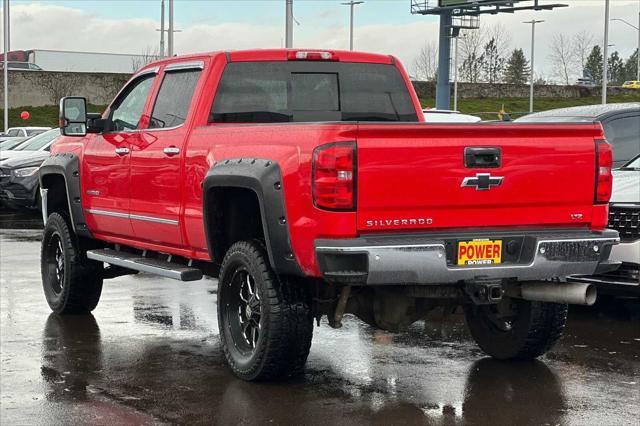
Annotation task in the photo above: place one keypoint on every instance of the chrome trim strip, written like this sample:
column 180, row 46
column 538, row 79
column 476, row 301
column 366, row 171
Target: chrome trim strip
column 185, row 66
column 153, row 219
column 107, row 213
column 132, row 216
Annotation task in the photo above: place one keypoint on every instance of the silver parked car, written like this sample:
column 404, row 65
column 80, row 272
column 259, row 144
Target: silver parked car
column 621, row 123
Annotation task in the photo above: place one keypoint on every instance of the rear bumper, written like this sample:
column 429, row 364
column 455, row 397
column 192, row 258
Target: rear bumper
column 427, row 259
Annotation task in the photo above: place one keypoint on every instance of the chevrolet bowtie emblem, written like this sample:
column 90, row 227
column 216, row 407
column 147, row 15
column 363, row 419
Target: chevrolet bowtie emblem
column 482, row 181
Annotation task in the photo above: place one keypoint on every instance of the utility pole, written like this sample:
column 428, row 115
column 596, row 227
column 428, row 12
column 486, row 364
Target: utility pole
column 533, row 50
column 5, row 69
column 351, row 4
column 455, row 74
column 170, row 35
column 162, row 51
column 443, row 94
column 605, row 60
column 288, row 41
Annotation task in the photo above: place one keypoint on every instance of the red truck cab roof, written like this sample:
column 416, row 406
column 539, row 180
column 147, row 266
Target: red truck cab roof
column 256, row 55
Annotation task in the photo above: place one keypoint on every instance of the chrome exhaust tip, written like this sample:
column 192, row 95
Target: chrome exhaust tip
column 570, row 293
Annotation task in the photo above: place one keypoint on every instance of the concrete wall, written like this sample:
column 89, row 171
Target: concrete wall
column 40, row 88
column 427, row 89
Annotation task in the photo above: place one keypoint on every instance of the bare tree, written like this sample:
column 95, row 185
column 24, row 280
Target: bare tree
column 425, row 66
column 583, row 42
column 148, row 55
column 471, row 45
column 499, row 33
column 562, row 57
column 56, row 85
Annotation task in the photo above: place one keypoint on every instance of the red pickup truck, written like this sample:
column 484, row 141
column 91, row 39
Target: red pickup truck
column 309, row 185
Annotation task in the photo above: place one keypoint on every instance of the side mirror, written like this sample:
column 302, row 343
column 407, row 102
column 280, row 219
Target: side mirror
column 73, row 116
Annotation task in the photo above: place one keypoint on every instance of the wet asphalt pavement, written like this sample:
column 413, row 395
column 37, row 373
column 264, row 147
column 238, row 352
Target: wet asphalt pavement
column 150, row 354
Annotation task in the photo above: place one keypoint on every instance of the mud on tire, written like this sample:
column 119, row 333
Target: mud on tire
column 72, row 283
column 265, row 323
column 529, row 331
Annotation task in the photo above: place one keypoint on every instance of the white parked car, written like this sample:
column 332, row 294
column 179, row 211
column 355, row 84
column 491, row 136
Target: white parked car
column 41, row 142
column 22, row 132
column 448, row 116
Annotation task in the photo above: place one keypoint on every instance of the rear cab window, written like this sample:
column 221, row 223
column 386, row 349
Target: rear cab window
column 174, row 98
column 273, row 92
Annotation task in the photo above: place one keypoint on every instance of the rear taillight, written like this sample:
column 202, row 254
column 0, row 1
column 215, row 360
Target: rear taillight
column 604, row 178
column 334, row 174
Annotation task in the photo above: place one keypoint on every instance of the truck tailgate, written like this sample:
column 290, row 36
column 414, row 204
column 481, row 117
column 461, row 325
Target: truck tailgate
column 410, row 176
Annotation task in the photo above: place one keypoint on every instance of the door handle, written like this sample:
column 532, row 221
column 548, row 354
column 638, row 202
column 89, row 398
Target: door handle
column 171, row 151
column 482, row 157
column 122, row 151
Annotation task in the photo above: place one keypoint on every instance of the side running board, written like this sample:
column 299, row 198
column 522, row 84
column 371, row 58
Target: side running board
column 145, row 264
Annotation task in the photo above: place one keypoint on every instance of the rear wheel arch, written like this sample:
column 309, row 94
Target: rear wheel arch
column 243, row 200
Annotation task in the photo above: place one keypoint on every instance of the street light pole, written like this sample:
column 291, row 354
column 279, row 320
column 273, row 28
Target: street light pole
column 162, row 28
column 170, row 35
column 605, row 60
column 5, row 69
column 533, row 50
column 288, row 41
column 351, row 4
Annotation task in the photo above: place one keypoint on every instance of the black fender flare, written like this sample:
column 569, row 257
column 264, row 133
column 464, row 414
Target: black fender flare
column 264, row 178
column 67, row 165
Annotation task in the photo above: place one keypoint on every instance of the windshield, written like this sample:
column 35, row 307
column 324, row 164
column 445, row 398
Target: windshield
column 33, row 132
column 11, row 143
column 40, row 141
column 632, row 165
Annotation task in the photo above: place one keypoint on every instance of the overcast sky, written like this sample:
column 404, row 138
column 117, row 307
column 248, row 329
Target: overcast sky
column 386, row 26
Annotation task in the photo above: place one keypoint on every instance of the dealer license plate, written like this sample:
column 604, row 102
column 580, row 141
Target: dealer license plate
column 479, row 252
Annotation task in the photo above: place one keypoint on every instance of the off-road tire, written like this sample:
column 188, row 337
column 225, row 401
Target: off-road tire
column 286, row 324
column 77, row 289
column 535, row 328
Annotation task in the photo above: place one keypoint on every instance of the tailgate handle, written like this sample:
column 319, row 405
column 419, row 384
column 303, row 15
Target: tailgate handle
column 482, row 158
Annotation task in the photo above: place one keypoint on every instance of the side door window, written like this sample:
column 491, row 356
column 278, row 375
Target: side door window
column 624, row 136
column 127, row 111
column 174, row 98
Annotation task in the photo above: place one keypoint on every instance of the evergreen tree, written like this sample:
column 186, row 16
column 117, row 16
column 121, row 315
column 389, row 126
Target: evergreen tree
column 593, row 66
column 518, row 70
column 615, row 66
column 631, row 67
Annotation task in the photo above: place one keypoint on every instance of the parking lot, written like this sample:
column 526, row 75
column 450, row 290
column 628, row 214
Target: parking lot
column 150, row 354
